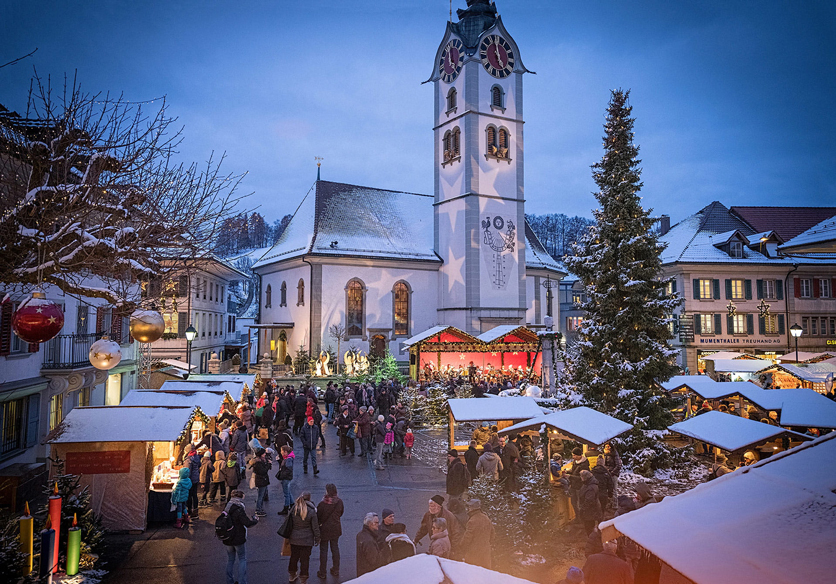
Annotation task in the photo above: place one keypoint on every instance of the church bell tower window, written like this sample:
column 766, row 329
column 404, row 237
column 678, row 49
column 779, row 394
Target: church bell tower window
column 451, row 100
column 497, row 98
column 498, row 143
column 451, row 144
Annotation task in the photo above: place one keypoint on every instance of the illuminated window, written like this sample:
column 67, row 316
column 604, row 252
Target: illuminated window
column 707, row 324
column 355, row 293
column 400, row 293
column 705, row 290
column 738, row 289
column 56, row 410
column 573, row 323
column 770, row 324
column 738, row 322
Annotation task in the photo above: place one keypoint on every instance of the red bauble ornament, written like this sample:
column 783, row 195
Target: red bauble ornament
column 37, row 320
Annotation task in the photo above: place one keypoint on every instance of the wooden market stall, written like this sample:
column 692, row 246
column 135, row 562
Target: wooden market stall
column 236, row 389
column 502, row 411
column 816, row 376
column 694, row 389
column 796, row 408
column 124, row 455
column 250, row 381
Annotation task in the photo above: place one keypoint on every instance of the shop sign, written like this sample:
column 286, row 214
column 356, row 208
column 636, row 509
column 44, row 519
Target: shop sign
column 831, row 341
column 739, row 341
column 103, row 462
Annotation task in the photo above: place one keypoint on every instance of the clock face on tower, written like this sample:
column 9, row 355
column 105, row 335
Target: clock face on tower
column 452, row 58
column 497, row 56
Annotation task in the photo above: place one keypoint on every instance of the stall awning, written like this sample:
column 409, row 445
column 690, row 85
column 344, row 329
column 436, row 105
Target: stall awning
column 705, row 387
column 445, row 334
column 475, row 409
column 730, row 432
column 208, row 401
column 737, row 521
column 122, row 424
column 741, row 365
column 797, row 407
column 804, row 356
column 582, row 424
column 810, row 372
column 233, row 388
column 725, row 355
column 177, row 363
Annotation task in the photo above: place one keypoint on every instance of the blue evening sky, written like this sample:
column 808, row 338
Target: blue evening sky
column 733, row 100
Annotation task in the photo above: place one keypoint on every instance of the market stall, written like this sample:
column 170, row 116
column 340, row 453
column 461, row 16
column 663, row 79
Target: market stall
column 502, row 411
column 124, row 455
column 770, row 523
column 816, row 376
column 209, row 401
column 236, row 389
column 799, row 408
column 736, row 369
column 250, row 381
column 427, row 569
column 695, row 389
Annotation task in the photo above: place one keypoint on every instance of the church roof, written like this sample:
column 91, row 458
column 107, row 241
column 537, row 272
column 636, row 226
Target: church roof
column 338, row 219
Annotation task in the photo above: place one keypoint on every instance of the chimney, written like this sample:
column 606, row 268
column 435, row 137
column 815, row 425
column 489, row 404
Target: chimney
column 664, row 224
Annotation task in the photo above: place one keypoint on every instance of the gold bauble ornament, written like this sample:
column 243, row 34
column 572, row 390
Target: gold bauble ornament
column 147, row 325
column 105, row 354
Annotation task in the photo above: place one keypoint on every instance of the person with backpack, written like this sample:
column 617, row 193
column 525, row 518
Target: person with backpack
column 719, row 468
column 218, row 478
column 231, row 528
column 285, row 475
column 231, row 475
column 329, row 511
column 207, row 467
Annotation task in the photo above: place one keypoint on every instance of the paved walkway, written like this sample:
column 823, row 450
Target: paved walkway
column 164, row 555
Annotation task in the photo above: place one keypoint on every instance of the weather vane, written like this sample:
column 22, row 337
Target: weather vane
column 319, row 160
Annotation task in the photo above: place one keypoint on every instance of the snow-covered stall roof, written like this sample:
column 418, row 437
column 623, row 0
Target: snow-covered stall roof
column 725, row 355
column 582, row 423
column 812, row 372
column 798, row 407
column 728, row 431
column 247, row 380
column 804, row 356
column 771, row 523
column 741, row 365
column 525, row 335
column 122, row 424
column 177, row 363
column 233, row 388
column 478, row 409
column 442, row 330
column 705, row 387
column 208, row 401
column 427, row 569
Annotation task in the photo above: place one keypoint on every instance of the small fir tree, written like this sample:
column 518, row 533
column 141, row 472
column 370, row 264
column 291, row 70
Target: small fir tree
column 387, row 368
column 623, row 353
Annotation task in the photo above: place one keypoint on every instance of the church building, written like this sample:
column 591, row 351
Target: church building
column 387, row 265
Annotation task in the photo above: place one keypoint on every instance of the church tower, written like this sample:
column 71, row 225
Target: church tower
column 479, row 202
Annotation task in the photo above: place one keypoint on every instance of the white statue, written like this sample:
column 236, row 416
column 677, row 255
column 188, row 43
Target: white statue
column 349, row 363
column 324, row 358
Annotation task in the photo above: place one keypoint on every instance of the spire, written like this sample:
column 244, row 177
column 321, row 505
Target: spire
column 478, row 17
column 319, row 160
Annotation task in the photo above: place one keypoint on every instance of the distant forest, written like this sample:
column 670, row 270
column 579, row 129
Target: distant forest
column 557, row 232
column 244, row 232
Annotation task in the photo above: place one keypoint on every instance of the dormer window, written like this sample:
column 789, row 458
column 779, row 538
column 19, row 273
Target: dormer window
column 497, row 98
column 451, row 100
column 736, row 249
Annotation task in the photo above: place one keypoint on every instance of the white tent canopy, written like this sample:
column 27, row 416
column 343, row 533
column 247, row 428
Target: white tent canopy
column 798, row 407
column 122, row 424
column 179, row 364
column 729, row 432
column 475, row 409
column 427, row 569
column 208, row 401
column 741, row 365
column 770, row 523
column 583, row 424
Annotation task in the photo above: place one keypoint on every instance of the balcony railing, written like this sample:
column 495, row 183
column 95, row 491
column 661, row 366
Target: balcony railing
column 69, row 351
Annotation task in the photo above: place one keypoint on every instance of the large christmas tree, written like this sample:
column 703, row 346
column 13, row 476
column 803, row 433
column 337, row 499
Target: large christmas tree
column 623, row 354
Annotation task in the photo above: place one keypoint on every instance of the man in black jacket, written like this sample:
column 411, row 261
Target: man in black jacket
column 369, row 556
column 237, row 544
column 458, row 477
column 471, row 458
column 300, row 405
column 261, row 470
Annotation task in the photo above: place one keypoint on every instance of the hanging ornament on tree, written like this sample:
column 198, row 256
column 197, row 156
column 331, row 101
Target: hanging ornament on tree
column 105, row 354
column 147, row 326
column 37, row 319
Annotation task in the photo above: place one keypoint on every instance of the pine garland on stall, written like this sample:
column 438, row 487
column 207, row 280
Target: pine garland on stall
column 623, row 352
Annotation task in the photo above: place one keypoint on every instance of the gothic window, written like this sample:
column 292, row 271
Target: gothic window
column 400, row 294
column 300, row 293
column 268, row 296
column 283, row 291
column 355, row 313
column 451, row 99
column 497, row 97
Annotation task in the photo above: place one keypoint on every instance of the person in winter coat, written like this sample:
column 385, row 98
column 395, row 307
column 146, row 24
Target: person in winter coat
column 606, row 485
column 612, row 460
column 607, row 567
column 193, row 463
column 588, row 502
column 387, row 521
column 285, row 475
column 579, row 464
column 236, row 545
column 408, row 443
column 303, row 538
column 379, row 433
column 436, row 509
column 218, row 478
column 310, row 435
column 478, row 536
column 400, row 546
column 364, row 431
column 261, row 471
column 179, row 496
column 489, row 463
column 300, row 405
column 211, row 441
column 246, row 416
column 471, row 458
column 508, row 452
column 268, row 415
column 238, row 444
column 439, row 540
column 574, row 575
column 231, row 475
column 344, row 424
column 458, row 477
column 330, row 400
column 644, row 496
column 368, row 553
column 329, row 511
column 206, row 470
column 260, row 406
column 282, row 436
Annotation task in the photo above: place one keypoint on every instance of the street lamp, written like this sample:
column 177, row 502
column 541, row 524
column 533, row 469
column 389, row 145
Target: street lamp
column 796, row 331
column 191, row 334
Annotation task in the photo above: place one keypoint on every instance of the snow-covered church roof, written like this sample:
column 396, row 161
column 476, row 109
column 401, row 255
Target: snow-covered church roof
column 338, row 219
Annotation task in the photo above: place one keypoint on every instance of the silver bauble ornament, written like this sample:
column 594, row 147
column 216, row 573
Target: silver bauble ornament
column 105, row 354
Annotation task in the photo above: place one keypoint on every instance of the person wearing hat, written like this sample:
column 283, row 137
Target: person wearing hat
column 261, row 473
column 206, row 470
column 380, row 438
column 719, row 468
column 471, row 458
column 435, row 510
column 458, row 477
column 310, row 436
column 259, row 409
column 344, row 424
column 478, row 536
column 387, row 520
column 573, row 576
column 644, row 496
column 489, row 463
column 364, row 431
column 589, row 503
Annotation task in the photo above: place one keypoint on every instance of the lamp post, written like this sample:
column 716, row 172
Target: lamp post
column 191, row 334
column 796, row 331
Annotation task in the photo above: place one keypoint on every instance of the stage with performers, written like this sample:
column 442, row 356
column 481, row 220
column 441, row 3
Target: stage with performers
column 504, row 353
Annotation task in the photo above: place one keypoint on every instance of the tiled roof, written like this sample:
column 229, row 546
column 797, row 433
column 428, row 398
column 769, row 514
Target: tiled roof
column 820, row 237
column 787, row 222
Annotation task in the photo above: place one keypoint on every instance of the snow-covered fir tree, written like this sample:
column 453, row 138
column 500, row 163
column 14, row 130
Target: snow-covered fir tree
column 623, row 354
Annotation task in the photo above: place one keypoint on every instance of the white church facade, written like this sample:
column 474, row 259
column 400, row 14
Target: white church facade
column 387, row 265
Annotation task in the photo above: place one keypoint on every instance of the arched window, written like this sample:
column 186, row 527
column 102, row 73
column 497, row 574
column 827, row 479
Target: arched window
column 451, row 99
column 447, row 145
column 498, row 142
column 355, row 313
column 284, row 294
column 503, row 139
column 497, row 97
column 300, row 293
column 491, row 140
column 456, row 141
column 268, row 296
column 400, row 297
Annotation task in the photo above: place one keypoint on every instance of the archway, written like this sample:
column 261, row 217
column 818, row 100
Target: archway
column 377, row 346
